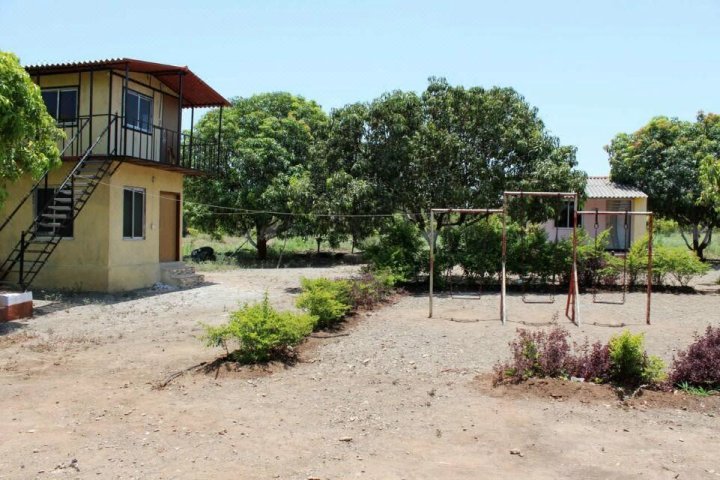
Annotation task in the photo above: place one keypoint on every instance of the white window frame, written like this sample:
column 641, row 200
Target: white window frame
column 137, row 125
column 132, row 213
column 65, row 123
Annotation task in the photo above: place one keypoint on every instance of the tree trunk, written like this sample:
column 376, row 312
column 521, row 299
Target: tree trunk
column 319, row 241
column 262, row 248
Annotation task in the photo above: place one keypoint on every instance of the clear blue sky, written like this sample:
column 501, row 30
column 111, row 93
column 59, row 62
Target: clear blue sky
column 592, row 68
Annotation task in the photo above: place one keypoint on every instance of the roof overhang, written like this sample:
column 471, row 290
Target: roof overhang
column 195, row 92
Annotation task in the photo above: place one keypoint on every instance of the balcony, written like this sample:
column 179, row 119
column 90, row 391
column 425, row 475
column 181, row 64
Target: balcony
column 145, row 144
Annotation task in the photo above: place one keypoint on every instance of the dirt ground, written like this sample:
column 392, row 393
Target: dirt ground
column 393, row 396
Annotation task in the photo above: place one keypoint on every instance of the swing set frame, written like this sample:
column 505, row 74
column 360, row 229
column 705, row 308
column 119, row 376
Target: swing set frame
column 629, row 213
column 572, row 306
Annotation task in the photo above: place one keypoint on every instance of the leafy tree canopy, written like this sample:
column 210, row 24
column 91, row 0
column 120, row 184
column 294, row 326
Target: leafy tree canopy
column 269, row 137
column 461, row 148
column 28, row 135
column 665, row 159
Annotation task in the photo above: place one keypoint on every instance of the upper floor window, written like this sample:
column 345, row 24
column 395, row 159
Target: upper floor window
column 62, row 104
column 138, row 111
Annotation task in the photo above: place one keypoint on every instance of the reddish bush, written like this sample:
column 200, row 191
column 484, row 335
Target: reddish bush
column 548, row 354
column 699, row 365
column 591, row 362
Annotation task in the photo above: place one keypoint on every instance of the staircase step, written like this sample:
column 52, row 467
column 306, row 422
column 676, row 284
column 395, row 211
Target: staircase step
column 59, row 208
column 54, row 215
column 50, row 224
column 62, row 199
column 42, row 240
column 186, row 280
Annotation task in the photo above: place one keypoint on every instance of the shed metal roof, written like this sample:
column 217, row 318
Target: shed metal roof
column 196, row 93
column 602, row 187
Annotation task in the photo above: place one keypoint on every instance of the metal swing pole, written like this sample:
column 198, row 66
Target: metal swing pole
column 574, row 279
column 503, row 305
column 432, row 260
column 650, row 269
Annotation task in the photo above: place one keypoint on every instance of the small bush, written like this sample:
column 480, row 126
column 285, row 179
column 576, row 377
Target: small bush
column 371, row 288
column 328, row 300
column 548, row 354
column 669, row 263
column 591, row 362
column 400, row 250
column 699, row 365
column 261, row 332
column 630, row 364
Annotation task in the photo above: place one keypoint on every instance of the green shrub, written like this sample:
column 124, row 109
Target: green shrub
column 669, row 263
column 328, row 300
column 630, row 364
column 260, row 332
column 400, row 249
column 371, row 287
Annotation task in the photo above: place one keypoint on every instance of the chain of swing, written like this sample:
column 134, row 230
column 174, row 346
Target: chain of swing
column 626, row 244
column 526, row 277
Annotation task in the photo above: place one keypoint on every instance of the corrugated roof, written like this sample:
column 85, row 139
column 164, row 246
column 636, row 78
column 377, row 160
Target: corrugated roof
column 602, row 187
column 196, row 93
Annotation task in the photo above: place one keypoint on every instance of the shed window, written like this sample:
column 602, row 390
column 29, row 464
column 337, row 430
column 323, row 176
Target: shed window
column 565, row 219
column 62, row 104
column 133, row 213
column 138, row 111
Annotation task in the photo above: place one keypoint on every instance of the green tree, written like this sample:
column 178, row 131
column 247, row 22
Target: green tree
column 28, row 135
column 458, row 147
column 269, row 138
column 709, row 125
column 340, row 194
column 664, row 159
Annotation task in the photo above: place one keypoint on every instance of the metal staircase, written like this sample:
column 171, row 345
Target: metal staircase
column 41, row 238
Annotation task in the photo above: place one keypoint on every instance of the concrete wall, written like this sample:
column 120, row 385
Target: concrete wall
column 97, row 258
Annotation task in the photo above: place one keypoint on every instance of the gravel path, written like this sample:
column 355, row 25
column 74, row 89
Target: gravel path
column 397, row 398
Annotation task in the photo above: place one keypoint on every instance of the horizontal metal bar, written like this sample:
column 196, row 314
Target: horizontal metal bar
column 541, row 194
column 466, row 210
column 612, row 212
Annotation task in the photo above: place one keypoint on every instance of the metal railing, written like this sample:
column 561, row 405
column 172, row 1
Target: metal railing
column 144, row 141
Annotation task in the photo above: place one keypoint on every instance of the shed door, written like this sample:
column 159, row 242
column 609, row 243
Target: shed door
column 169, row 227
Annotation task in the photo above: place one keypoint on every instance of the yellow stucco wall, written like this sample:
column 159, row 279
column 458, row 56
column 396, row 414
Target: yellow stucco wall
column 107, row 100
column 97, row 258
column 79, row 263
column 135, row 263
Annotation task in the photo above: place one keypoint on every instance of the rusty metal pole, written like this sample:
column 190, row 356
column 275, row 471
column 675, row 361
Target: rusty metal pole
column 574, row 275
column 432, row 260
column 503, row 306
column 650, row 269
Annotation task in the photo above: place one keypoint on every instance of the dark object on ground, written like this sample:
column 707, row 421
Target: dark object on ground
column 203, row 254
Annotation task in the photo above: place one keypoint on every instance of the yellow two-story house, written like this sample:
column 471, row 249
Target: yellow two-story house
column 110, row 218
